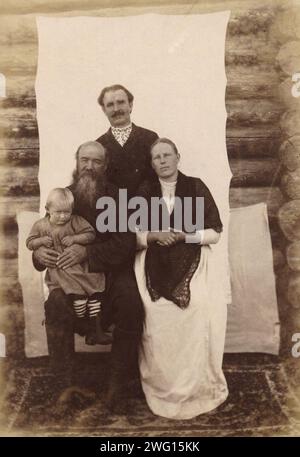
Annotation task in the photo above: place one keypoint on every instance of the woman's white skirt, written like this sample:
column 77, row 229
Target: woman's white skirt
column 182, row 350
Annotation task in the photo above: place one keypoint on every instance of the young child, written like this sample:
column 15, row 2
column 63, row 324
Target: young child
column 60, row 229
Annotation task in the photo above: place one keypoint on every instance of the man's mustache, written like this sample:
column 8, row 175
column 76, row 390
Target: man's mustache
column 89, row 173
column 118, row 113
column 88, row 176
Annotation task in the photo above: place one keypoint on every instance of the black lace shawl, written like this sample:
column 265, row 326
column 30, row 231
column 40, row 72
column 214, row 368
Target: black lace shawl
column 169, row 270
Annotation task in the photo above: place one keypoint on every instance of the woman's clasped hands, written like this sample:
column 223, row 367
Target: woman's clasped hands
column 166, row 238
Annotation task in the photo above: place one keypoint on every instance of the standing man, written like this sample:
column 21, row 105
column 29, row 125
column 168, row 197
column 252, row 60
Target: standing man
column 128, row 145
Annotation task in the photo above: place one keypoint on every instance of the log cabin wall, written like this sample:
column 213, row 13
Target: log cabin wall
column 253, row 140
column 287, row 30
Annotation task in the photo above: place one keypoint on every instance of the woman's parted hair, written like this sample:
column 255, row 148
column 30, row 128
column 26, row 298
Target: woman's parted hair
column 60, row 194
column 166, row 141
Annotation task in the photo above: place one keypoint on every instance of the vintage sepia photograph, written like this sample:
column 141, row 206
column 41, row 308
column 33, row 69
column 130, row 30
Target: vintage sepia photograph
column 150, row 218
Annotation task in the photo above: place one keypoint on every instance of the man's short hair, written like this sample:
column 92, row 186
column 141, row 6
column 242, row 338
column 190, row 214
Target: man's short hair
column 91, row 143
column 113, row 89
column 166, row 141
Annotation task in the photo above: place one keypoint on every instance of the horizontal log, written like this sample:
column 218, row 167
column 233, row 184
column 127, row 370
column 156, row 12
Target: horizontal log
column 237, row 148
column 24, row 156
column 244, row 196
column 26, row 151
column 293, row 256
column 255, row 22
column 20, row 91
column 288, row 57
column 19, row 58
column 19, row 151
column 289, row 220
column 257, row 83
column 19, row 181
column 251, row 147
column 250, row 51
column 241, row 143
column 9, row 206
column 289, row 153
column 289, row 123
column 255, row 172
column 19, row 122
column 18, row 128
column 244, row 112
column 252, row 112
column 242, row 22
column 293, row 293
column 17, row 29
column 259, row 132
column 290, row 184
column 20, row 143
column 251, row 21
column 11, row 113
column 24, row 101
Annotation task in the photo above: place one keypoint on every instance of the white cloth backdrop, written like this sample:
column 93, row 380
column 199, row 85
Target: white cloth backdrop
column 174, row 66
column 253, row 320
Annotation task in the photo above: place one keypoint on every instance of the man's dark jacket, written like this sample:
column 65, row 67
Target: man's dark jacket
column 129, row 165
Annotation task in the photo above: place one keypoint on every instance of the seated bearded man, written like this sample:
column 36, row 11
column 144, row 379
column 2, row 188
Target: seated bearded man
column 113, row 255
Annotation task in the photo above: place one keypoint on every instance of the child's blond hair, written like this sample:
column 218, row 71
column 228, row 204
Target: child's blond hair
column 62, row 195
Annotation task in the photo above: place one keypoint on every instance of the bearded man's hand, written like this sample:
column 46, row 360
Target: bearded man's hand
column 72, row 256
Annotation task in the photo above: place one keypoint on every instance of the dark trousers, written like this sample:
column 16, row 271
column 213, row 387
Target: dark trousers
column 122, row 307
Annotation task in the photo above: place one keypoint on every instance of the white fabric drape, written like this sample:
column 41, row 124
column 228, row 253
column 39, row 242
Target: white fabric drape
column 174, row 66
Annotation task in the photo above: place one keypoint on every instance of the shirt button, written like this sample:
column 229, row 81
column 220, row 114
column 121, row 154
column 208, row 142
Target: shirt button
column 136, row 170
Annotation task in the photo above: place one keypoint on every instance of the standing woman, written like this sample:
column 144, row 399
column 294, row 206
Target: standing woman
column 185, row 319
